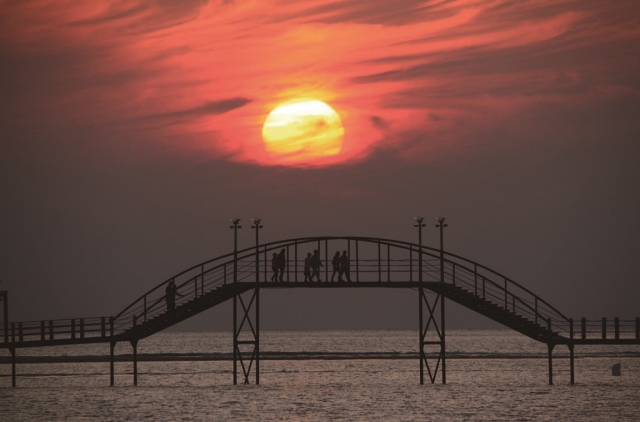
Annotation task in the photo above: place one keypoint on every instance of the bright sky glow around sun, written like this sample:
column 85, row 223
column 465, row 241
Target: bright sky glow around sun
column 302, row 131
column 415, row 76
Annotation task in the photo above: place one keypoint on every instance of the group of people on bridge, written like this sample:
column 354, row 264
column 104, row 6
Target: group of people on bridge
column 312, row 263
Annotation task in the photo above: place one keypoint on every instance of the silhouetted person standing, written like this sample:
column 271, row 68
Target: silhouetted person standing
column 274, row 267
column 170, row 295
column 345, row 266
column 336, row 266
column 307, row 267
column 282, row 263
column 316, row 263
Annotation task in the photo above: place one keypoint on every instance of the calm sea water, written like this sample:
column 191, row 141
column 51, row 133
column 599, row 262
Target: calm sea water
column 491, row 375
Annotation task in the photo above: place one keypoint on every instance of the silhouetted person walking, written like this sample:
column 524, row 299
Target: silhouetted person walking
column 336, row 266
column 274, row 267
column 170, row 295
column 316, row 263
column 307, row 267
column 282, row 263
column 345, row 266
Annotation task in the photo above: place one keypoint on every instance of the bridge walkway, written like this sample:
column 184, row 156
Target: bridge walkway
column 374, row 263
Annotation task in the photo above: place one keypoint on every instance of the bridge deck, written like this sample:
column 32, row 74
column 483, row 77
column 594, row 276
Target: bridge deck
column 369, row 262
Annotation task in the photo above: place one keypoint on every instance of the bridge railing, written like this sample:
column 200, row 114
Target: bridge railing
column 371, row 260
column 605, row 328
column 56, row 329
column 190, row 285
column 502, row 291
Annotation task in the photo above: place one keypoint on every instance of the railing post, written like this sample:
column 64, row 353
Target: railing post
column 483, row 287
column 410, row 263
column 475, row 279
column 388, row 262
column 201, row 281
column 638, row 328
column 571, row 328
column 379, row 263
column 326, row 260
column 604, row 328
column 617, row 327
column 357, row 263
column 5, row 297
column 584, row 328
column 288, row 277
column 505, row 295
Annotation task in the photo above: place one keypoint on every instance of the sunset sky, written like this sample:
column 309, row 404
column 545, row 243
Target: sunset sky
column 131, row 131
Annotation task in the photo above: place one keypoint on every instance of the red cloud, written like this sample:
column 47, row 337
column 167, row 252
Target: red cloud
column 210, row 72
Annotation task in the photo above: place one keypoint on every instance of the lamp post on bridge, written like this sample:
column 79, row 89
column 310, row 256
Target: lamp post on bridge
column 235, row 225
column 441, row 225
column 419, row 224
column 257, row 226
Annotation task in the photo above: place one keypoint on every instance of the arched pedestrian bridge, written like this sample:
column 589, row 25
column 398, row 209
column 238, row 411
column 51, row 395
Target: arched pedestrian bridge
column 239, row 276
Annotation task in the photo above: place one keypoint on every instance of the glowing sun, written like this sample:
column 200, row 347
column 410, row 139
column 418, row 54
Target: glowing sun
column 303, row 131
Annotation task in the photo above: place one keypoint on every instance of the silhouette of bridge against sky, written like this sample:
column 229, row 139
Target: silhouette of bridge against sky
column 436, row 276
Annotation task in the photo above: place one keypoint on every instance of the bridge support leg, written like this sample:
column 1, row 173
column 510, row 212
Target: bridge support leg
column 571, row 363
column 112, row 346
column 550, row 346
column 13, row 366
column 134, row 344
column 246, row 335
column 432, row 334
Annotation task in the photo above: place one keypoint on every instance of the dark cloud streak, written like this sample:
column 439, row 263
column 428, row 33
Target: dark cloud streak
column 210, row 108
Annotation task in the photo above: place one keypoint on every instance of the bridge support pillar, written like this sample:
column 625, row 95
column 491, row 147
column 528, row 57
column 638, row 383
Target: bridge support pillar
column 134, row 344
column 246, row 335
column 571, row 367
column 550, row 346
column 112, row 346
column 432, row 335
column 13, row 366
